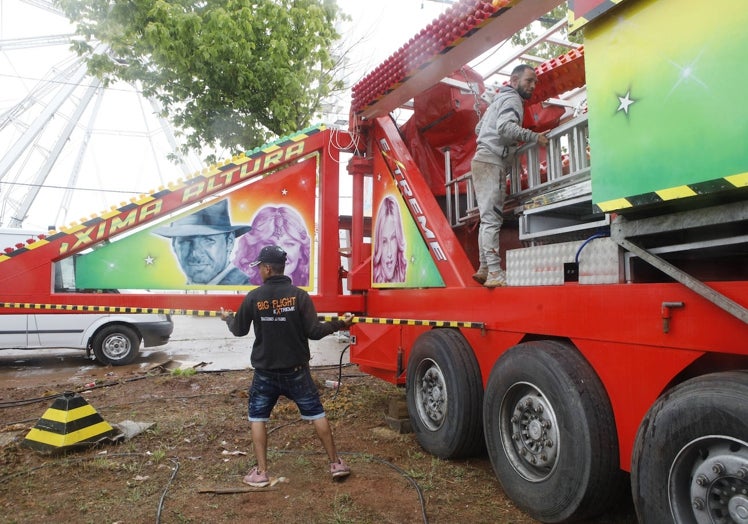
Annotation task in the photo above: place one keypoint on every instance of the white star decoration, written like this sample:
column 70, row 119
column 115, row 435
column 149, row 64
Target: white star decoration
column 624, row 102
column 149, row 260
column 284, row 191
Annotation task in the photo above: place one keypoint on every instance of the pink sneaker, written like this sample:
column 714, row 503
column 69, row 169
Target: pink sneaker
column 339, row 469
column 256, row 479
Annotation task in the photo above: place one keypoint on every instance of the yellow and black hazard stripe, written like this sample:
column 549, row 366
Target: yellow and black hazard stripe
column 271, row 147
column 70, row 308
column 37, row 243
column 577, row 18
column 74, row 308
column 69, row 421
column 160, row 193
column 673, row 193
column 413, row 322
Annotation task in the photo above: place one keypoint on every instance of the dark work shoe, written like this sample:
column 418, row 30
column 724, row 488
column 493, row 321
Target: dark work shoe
column 481, row 275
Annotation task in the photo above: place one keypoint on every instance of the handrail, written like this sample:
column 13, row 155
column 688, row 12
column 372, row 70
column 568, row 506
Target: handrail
column 567, row 158
column 567, row 162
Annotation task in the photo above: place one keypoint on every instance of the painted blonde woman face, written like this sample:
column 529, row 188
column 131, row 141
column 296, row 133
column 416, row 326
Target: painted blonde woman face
column 388, row 247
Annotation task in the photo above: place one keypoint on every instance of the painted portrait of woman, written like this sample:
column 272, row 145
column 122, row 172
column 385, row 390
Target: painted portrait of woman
column 389, row 263
column 281, row 226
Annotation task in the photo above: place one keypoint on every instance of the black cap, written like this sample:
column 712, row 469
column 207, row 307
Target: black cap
column 270, row 255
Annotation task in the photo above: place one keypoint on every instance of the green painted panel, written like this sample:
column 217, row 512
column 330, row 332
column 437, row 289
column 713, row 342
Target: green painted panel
column 666, row 84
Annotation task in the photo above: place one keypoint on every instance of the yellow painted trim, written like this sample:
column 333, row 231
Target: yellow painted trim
column 612, row 205
column 576, row 23
column 410, row 322
column 58, row 441
column 739, row 180
column 673, row 193
column 144, row 199
column 38, row 243
column 58, row 415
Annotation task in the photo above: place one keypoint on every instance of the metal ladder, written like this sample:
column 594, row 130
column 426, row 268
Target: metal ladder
column 551, row 198
column 462, row 208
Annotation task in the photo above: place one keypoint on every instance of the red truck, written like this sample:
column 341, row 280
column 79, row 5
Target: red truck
column 619, row 345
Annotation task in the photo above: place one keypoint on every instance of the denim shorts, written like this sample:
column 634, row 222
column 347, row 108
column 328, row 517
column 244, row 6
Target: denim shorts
column 294, row 383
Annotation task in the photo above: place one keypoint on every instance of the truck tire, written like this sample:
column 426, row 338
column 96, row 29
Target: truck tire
column 444, row 392
column 116, row 345
column 690, row 461
column 551, row 434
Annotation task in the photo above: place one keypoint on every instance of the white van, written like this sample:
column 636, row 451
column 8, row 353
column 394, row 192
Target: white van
column 114, row 339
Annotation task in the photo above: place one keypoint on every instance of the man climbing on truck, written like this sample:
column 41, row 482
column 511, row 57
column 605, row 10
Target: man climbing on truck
column 499, row 134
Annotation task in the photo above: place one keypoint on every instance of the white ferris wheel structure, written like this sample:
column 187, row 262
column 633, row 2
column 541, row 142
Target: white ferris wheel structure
column 69, row 146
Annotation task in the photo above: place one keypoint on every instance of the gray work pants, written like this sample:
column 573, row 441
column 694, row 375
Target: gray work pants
column 489, row 183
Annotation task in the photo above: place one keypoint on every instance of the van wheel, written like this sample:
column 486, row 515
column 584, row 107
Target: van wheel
column 444, row 394
column 116, row 345
column 690, row 461
column 550, row 433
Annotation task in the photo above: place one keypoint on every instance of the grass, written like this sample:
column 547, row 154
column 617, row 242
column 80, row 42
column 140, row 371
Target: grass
column 187, row 372
column 158, row 455
column 303, row 461
column 194, row 423
column 342, row 507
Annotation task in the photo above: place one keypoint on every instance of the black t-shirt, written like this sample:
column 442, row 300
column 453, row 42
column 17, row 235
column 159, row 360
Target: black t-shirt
column 284, row 319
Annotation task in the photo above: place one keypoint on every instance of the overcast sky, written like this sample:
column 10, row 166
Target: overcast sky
column 126, row 153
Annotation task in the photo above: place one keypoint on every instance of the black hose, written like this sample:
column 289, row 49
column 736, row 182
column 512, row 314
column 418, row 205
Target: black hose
column 340, row 371
column 163, row 495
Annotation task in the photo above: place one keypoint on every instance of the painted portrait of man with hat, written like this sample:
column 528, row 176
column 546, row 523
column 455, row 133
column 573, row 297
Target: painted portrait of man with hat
column 202, row 243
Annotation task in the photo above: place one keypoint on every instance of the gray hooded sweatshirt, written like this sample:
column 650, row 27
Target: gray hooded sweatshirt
column 500, row 131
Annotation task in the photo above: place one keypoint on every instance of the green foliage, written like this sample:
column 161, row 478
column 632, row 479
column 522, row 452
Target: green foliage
column 158, row 455
column 187, row 372
column 546, row 50
column 228, row 73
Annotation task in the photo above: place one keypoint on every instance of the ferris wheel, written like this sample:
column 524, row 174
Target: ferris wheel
column 69, row 146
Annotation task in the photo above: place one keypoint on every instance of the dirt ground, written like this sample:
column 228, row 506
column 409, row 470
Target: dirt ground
column 200, row 441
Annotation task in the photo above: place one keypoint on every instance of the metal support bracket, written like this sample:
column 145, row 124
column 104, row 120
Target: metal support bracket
column 738, row 311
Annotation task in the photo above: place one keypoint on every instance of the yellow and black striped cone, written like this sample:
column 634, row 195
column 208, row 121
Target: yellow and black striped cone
column 70, row 421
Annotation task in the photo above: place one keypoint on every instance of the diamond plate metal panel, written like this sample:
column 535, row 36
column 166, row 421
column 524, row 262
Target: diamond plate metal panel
column 600, row 262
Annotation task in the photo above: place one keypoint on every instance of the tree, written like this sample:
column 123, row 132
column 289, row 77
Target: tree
column 228, row 73
column 546, row 50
